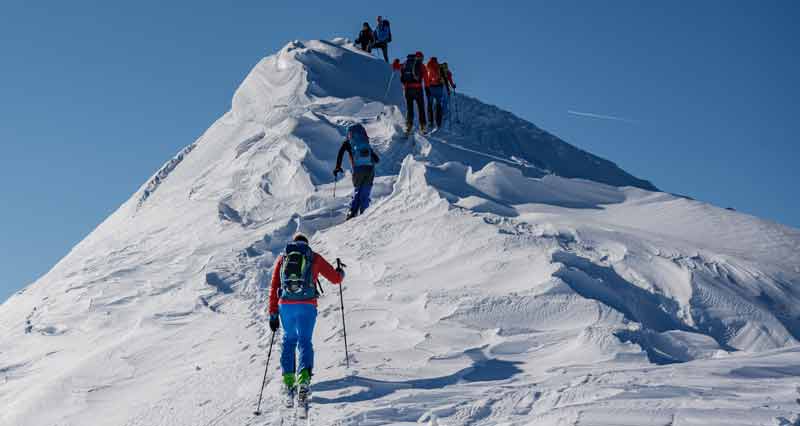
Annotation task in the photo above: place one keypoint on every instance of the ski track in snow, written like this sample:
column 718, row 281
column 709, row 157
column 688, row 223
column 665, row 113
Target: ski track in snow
column 500, row 277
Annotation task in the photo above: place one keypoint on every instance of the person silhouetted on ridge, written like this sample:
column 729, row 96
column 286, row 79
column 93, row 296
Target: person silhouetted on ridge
column 366, row 39
column 450, row 87
column 412, row 75
column 434, row 86
column 383, row 36
column 447, row 77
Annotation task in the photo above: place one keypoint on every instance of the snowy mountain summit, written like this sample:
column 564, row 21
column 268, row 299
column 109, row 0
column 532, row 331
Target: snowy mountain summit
column 500, row 277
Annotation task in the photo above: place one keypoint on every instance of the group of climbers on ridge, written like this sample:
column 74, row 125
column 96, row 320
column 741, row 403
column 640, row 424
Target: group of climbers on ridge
column 434, row 80
column 428, row 86
column 379, row 38
column 294, row 286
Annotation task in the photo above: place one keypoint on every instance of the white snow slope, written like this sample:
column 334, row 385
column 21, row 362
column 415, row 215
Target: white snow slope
column 487, row 285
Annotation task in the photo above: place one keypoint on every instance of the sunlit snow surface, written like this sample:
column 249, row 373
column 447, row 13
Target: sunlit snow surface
column 494, row 281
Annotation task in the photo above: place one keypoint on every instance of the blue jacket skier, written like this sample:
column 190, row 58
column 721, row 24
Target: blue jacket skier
column 363, row 160
column 293, row 302
column 383, row 36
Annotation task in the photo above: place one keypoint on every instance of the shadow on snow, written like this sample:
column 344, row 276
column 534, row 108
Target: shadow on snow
column 486, row 370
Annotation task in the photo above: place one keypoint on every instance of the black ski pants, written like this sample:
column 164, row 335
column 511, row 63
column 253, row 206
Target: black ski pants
column 414, row 96
column 384, row 48
column 429, row 104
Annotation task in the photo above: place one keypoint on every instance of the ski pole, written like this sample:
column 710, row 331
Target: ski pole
column 340, row 265
column 450, row 110
column 335, row 179
column 264, row 381
column 388, row 86
column 455, row 106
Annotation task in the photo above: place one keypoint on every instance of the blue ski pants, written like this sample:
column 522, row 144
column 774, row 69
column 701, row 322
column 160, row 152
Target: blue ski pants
column 438, row 106
column 298, row 322
column 361, row 199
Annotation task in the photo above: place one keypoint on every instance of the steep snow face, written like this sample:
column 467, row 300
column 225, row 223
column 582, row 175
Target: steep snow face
column 502, row 134
column 501, row 276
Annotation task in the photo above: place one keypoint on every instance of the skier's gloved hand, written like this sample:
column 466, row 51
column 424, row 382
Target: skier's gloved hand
column 274, row 322
column 337, row 170
column 341, row 273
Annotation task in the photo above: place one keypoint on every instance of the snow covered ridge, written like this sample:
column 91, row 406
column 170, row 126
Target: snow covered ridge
column 163, row 172
column 501, row 277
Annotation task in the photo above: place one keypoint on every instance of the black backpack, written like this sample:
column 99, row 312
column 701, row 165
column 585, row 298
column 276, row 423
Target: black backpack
column 389, row 29
column 412, row 72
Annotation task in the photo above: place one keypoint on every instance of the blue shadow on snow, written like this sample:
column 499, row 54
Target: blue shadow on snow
column 481, row 371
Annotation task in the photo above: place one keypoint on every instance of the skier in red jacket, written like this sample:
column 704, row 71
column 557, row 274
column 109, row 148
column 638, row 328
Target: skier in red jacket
column 435, row 92
column 293, row 302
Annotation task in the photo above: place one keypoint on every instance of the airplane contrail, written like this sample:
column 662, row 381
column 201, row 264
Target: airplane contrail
column 600, row 116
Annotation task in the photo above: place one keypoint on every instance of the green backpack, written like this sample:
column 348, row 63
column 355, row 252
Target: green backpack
column 297, row 282
column 443, row 73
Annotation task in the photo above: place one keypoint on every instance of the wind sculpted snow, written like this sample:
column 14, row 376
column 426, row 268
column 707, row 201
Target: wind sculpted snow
column 500, row 277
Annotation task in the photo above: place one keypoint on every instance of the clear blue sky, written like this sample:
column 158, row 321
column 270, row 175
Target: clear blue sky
column 97, row 95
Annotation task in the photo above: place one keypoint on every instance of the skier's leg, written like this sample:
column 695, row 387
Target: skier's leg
column 364, row 195
column 355, row 204
column 445, row 101
column 385, row 49
column 409, row 109
column 437, row 99
column 433, row 106
column 421, row 106
column 409, row 106
column 305, row 330
column 429, row 104
column 288, row 352
column 439, row 109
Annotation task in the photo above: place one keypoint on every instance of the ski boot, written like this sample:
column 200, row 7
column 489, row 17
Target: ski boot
column 289, row 389
column 409, row 129
column 303, row 393
column 423, row 129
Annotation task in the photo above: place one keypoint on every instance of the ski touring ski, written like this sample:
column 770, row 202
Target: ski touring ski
column 303, row 397
column 294, row 409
